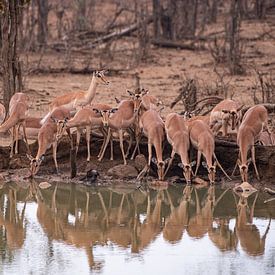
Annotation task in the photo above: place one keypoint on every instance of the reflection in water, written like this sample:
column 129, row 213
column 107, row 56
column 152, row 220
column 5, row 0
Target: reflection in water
column 132, row 219
column 247, row 232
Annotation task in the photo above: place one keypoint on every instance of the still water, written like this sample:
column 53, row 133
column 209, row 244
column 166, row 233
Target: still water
column 67, row 229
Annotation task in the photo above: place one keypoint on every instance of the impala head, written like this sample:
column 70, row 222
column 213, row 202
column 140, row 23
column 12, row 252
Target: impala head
column 161, row 166
column 61, row 127
column 105, row 115
column 35, row 164
column 211, row 171
column 187, row 171
column 100, row 78
column 137, row 97
column 244, row 169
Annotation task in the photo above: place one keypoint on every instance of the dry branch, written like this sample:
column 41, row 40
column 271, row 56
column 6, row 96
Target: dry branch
column 172, row 44
column 119, row 33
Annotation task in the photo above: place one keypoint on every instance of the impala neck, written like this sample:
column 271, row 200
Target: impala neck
column 11, row 121
column 91, row 91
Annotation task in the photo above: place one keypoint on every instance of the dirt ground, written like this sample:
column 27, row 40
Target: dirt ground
column 162, row 72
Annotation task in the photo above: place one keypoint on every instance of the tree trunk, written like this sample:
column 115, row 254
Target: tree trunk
column 42, row 32
column 156, row 18
column 260, row 8
column 12, row 79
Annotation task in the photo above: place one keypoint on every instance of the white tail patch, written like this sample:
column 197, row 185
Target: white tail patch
column 43, row 120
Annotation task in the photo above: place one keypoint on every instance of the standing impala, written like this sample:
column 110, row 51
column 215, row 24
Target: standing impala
column 153, row 127
column 84, row 118
column 18, row 108
column 254, row 121
column 178, row 137
column 74, row 100
column 47, row 138
column 223, row 114
column 202, row 139
column 119, row 119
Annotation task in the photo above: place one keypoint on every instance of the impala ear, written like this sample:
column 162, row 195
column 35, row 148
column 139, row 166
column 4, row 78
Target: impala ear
column 240, row 107
column 113, row 110
column 42, row 158
column 117, row 100
column 154, row 160
column 30, row 157
column 96, row 110
column 193, row 163
column 130, row 93
column 248, row 161
column 54, row 119
column 144, row 92
column 166, row 161
column 204, row 164
column 215, row 163
column 239, row 162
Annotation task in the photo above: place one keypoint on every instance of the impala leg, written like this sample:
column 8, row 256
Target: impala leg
column 129, row 145
column 136, row 147
column 145, row 170
column 16, row 137
column 120, row 132
column 54, row 156
column 104, row 140
column 78, row 135
column 88, row 139
column 198, row 162
column 105, row 145
column 254, row 161
column 12, row 141
column 112, row 148
column 170, row 162
column 25, row 136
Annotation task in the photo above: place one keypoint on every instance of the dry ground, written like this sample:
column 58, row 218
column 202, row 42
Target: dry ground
column 162, row 72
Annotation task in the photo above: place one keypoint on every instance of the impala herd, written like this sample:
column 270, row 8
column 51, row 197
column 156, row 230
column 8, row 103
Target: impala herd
column 139, row 115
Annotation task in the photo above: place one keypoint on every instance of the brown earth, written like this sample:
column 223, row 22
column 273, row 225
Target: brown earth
column 162, row 73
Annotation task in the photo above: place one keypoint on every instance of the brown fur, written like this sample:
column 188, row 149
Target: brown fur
column 153, row 128
column 178, row 137
column 254, row 120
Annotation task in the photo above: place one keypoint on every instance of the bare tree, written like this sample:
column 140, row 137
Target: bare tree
column 12, row 78
column 42, row 31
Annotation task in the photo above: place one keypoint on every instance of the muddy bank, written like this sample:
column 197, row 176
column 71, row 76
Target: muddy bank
column 226, row 151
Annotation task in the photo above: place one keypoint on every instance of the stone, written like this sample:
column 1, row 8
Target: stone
column 44, row 185
column 123, row 171
column 140, row 162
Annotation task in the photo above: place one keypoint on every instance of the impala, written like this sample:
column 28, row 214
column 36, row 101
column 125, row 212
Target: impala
column 153, row 127
column 75, row 100
column 85, row 118
column 223, row 114
column 254, row 121
column 47, row 138
column 178, row 137
column 18, row 108
column 202, row 139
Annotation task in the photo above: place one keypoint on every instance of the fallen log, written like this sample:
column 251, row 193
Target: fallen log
column 119, row 33
column 172, row 44
column 226, row 152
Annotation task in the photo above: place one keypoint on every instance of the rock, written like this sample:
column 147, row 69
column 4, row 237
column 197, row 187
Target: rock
column 18, row 162
column 44, row 185
column 140, row 162
column 123, row 171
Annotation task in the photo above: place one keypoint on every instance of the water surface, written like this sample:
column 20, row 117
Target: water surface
column 68, row 229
